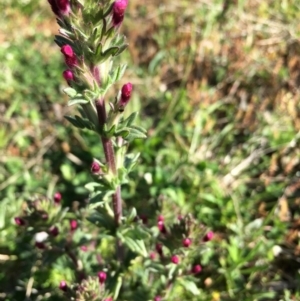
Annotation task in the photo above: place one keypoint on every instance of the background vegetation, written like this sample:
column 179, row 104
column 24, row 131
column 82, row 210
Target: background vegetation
column 217, row 83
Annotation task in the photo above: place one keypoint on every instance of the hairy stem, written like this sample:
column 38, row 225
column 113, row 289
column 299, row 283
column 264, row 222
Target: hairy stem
column 110, row 159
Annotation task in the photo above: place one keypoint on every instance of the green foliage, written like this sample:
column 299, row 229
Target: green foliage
column 191, row 90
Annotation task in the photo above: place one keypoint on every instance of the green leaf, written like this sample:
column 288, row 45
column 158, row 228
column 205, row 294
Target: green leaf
column 61, row 41
column 70, row 92
column 139, row 128
column 108, row 11
column 130, row 161
column 110, row 52
column 99, row 16
column 135, row 134
column 76, row 101
column 118, row 73
column 74, row 121
column 121, row 49
column 92, row 186
column 132, row 215
column 189, row 285
column 103, row 30
column 130, row 119
column 100, row 198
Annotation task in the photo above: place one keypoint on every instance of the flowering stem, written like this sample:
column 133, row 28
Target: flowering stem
column 111, row 160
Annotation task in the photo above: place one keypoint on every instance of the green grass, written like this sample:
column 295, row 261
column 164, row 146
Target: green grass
column 214, row 86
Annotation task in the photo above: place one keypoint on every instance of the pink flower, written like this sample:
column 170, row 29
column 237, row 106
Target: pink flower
column 73, row 224
column 95, row 168
column 102, row 277
column 119, row 8
column 68, row 75
column 175, row 259
column 186, row 242
column 196, row 269
column 63, row 286
column 125, row 95
column 152, row 255
column 161, row 227
column 19, row 221
column 70, row 56
column 157, row 298
column 83, row 248
column 159, row 249
column 57, row 197
column 208, row 236
column 67, row 51
column 54, row 231
column 60, row 7
column 40, row 245
column 160, row 218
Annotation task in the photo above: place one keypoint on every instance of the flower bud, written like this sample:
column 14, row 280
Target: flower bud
column 60, row 7
column 175, row 259
column 67, row 51
column 63, row 286
column 208, row 236
column 83, row 248
column 54, row 231
column 125, row 95
column 196, row 269
column 19, row 221
column 186, row 242
column 73, row 224
column 119, row 7
column 161, row 227
column 68, row 75
column 70, row 56
column 157, row 298
column 152, row 255
column 159, row 249
column 160, row 218
column 57, row 197
column 95, row 168
column 40, row 245
column 102, row 277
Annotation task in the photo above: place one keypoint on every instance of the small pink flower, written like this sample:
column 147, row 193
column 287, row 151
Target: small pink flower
column 70, row 56
column 159, row 249
column 161, row 227
column 109, row 299
column 196, row 269
column 95, row 168
column 40, row 245
column 67, row 51
column 208, row 236
column 83, row 248
column 119, row 7
column 73, row 224
column 152, row 255
column 160, row 218
column 57, row 197
column 54, row 231
column 63, row 286
column 175, row 259
column 125, row 94
column 102, row 277
column 186, row 242
column 19, row 221
column 60, row 7
column 157, row 298
column 68, row 75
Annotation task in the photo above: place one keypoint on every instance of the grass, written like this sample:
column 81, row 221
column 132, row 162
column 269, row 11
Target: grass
column 217, row 84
